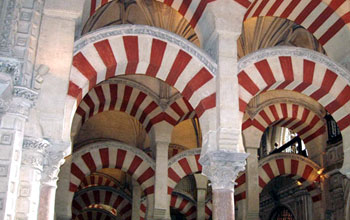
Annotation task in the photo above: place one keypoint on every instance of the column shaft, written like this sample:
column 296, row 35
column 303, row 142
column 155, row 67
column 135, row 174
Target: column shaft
column 201, row 193
column 136, row 200
column 34, row 150
column 161, row 203
column 53, row 162
column 202, row 185
column 252, row 212
column 47, row 202
column 223, row 204
column 11, row 132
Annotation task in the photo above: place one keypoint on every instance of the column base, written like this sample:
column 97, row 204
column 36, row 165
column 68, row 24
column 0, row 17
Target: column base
column 253, row 216
column 160, row 214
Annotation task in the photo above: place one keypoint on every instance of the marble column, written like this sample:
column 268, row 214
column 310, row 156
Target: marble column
column 33, row 153
column 252, row 175
column 222, row 168
column 53, row 161
column 136, row 200
column 202, row 185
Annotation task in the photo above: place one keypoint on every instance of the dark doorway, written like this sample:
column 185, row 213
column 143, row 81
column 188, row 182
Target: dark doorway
column 282, row 213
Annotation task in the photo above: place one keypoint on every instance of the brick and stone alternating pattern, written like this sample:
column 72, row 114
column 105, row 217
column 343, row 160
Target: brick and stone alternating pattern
column 184, row 206
column 187, row 69
column 101, row 195
column 120, row 97
column 108, row 155
column 328, row 21
column 299, row 119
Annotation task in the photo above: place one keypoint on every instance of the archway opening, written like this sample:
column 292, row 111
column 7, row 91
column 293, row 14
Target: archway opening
column 277, row 139
column 284, row 198
column 282, row 213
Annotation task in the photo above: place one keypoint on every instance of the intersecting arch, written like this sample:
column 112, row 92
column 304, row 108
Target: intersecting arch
column 327, row 21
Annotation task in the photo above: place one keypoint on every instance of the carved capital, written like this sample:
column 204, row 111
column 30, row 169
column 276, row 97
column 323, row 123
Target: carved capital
column 34, row 150
column 222, row 167
column 33, row 159
column 53, row 161
column 35, row 144
column 24, row 92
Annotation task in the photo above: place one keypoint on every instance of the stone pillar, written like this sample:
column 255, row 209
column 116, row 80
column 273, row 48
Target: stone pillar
column 136, row 200
column 53, row 161
column 252, row 180
column 13, row 114
column 202, row 184
column 161, row 203
column 222, row 168
column 223, row 154
column 34, row 150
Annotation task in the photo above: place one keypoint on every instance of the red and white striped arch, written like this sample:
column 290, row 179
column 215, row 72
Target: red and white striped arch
column 192, row 10
column 97, row 195
column 124, row 98
column 328, row 21
column 208, row 209
column 308, row 125
column 112, row 154
column 95, row 212
column 184, row 206
column 299, row 70
column 240, row 188
column 98, row 180
column 181, row 165
column 294, row 166
column 136, row 49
